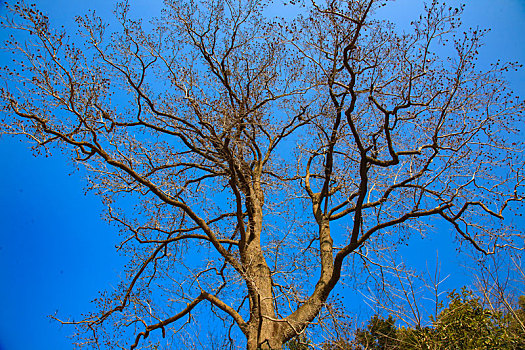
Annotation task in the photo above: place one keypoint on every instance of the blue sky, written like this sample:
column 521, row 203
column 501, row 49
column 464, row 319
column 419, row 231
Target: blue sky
column 56, row 252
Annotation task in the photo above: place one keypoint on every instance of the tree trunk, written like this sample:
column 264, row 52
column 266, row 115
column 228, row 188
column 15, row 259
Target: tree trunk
column 268, row 337
column 263, row 331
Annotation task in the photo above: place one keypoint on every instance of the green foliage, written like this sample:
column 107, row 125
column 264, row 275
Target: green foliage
column 300, row 342
column 464, row 324
column 516, row 324
column 338, row 344
column 416, row 339
column 381, row 334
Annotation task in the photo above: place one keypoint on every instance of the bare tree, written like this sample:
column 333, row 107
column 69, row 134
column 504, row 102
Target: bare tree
column 262, row 153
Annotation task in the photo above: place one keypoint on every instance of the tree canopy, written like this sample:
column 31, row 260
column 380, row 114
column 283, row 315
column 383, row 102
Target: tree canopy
column 249, row 158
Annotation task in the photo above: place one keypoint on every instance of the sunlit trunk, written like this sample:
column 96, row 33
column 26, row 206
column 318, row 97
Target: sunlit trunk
column 264, row 331
column 268, row 337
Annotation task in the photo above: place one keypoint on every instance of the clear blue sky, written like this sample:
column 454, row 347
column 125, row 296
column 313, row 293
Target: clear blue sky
column 56, row 253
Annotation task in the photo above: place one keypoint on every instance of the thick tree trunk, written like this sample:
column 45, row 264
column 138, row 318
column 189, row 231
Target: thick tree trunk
column 264, row 332
column 268, row 337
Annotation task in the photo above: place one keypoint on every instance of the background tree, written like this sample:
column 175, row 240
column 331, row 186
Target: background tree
column 463, row 323
column 516, row 320
column 500, row 281
column 466, row 324
column 379, row 334
column 300, row 342
column 270, row 150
